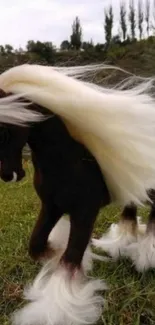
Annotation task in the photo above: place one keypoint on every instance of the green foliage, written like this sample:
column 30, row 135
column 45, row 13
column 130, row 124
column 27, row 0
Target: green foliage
column 65, row 45
column 86, row 46
column 123, row 20
column 116, row 53
column 147, row 16
column 45, row 50
column 132, row 19
column 140, row 19
column 76, row 37
column 151, row 39
column 108, row 24
column 99, row 47
column 2, row 50
column 8, row 49
column 76, row 52
column 116, row 40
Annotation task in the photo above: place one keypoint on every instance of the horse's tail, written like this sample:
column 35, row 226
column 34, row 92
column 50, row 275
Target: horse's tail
column 116, row 125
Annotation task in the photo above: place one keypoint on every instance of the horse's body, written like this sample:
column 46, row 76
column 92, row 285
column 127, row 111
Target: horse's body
column 67, row 180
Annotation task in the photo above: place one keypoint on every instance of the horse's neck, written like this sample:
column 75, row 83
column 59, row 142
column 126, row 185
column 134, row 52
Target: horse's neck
column 52, row 140
column 56, row 156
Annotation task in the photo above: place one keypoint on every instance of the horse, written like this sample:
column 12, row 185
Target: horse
column 82, row 162
column 67, row 180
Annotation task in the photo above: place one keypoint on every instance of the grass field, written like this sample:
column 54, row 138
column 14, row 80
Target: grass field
column 131, row 297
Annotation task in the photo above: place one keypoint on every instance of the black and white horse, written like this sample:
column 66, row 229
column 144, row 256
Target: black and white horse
column 84, row 158
column 67, row 180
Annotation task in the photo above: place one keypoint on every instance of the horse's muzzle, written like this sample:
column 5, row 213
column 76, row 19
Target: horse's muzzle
column 11, row 176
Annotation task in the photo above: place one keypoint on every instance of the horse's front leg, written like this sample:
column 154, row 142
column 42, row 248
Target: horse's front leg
column 48, row 217
column 82, row 223
column 78, row 299
column 64, row 294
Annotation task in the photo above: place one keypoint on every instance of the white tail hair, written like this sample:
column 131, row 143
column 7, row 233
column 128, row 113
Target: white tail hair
column 116, row 125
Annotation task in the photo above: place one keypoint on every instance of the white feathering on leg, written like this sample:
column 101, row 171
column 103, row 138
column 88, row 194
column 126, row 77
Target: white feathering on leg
column 115, row 240
column 141, row 226
column 56, row 297
column 142, row 253
column 61, row 299
column 119, row 237
column 15, row 177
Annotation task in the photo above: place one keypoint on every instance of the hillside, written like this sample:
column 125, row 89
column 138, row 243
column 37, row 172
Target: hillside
column 136, row 57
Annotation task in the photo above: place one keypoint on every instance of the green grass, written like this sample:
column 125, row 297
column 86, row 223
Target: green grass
column 131, row 296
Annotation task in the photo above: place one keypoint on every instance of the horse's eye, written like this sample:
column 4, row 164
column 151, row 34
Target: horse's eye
column 4, row 135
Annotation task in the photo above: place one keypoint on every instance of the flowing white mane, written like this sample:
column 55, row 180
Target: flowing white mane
column 116, row 125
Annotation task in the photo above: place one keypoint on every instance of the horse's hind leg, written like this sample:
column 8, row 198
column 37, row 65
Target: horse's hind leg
column 120, row 235
column 142, row 253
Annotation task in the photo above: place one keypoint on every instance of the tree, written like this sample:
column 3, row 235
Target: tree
column 140, row 18
column 108, row 25
column 65, row 45
column 87, row 45
column 2, row 50
column 99, row 47
column 76, row 37
column 116, row 40
column 153, row 14
column 31, row 46
column 147, row 16
column 123, row 20
column 8, row 49
column 132, row 19
column 44, row 50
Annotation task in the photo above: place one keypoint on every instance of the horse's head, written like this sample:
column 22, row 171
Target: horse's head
column 13, row 135
column 12, row 140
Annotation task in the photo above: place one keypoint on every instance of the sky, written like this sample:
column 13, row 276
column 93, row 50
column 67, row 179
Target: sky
column 51, row 20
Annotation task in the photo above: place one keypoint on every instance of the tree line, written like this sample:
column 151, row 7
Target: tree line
column 135, row 22
column 132, row 20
